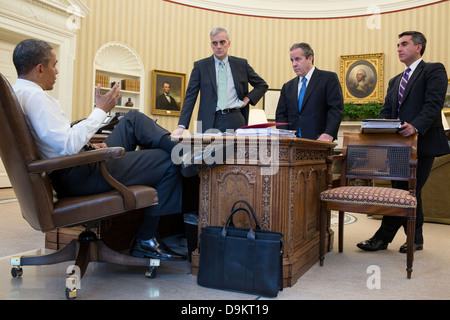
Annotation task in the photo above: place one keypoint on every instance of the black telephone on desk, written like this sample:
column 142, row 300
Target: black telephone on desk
column 107, row 126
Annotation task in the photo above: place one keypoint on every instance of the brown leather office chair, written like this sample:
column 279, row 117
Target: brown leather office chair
column 29, row 176
column 381, row 156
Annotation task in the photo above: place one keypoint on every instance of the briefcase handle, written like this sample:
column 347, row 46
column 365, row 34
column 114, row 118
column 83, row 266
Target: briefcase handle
column 250, row 234
column 258, row 227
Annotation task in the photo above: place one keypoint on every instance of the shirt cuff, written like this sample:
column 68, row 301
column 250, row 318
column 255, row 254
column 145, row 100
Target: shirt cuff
column 98, row 114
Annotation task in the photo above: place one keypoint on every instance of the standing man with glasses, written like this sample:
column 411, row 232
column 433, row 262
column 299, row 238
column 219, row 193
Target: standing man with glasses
column 416, row 96
column 312, row 102
column 223, row 84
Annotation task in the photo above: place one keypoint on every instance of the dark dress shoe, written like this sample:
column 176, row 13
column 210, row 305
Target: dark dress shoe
column 417, row 246
column 191, row 170
column 166, row 248
column 372, row 244
column 153, row 249
column 192, row 164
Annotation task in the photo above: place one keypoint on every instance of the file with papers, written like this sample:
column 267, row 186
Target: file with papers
column 265, row 132
column 380, row 125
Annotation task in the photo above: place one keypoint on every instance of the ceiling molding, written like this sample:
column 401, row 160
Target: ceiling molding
column 305, row 9
column 68, row 7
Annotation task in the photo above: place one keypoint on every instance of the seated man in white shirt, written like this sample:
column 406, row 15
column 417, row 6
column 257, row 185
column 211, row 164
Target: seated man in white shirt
column 35, row 62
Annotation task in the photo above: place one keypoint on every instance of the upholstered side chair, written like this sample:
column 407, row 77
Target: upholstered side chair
column 381, row 156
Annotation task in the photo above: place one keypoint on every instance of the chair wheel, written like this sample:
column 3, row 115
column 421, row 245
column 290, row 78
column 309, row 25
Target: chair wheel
column 151, row 273
column 71, row 293
column 16, row 272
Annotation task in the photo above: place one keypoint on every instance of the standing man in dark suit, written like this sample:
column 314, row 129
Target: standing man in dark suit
column 312, row 102
column 415, row 96
column 232, row 111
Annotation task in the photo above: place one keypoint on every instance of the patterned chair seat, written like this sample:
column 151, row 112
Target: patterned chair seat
column 370, row 196
column 380, row 156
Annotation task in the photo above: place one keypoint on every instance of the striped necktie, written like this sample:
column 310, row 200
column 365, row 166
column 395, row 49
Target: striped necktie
column 403, row 84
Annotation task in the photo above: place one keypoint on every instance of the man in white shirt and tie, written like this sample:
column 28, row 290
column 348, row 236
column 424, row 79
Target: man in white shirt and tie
column 233, row 112
column 312, row 102
column 416, row 96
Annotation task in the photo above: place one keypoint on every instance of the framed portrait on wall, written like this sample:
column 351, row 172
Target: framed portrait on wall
column 168, row 90
column 447, row 100
column 361, row 77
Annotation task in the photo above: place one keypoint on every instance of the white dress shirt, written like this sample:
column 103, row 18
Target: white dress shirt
column 233, row 99
column 413, row 67
column 49, row 125
column 308, row 78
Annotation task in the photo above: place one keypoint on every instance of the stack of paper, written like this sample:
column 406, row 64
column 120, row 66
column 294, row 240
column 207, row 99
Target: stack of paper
column 265, row 132
column 380, row 125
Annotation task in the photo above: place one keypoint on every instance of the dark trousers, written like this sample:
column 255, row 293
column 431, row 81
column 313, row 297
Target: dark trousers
column 232, row 120
column 390, row 225
column 151, row 167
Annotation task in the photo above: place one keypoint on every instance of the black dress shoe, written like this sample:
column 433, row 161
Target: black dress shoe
column 153, row 249
column 192, row 164
column 372, row 244
column 417, row 246
column 191, row 170
column 166, row 248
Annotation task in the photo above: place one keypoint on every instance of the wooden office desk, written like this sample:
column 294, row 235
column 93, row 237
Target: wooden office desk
column 286, row 201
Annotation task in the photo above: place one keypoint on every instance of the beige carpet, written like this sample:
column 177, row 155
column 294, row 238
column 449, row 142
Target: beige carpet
column 344, row 275
column 16, row 235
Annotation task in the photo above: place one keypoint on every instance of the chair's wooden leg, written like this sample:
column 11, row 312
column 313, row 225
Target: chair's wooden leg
column 341, row 231
column 106, row 254
column 323, row 216
column 410, row 232
column 67, row 253
column 83, row 257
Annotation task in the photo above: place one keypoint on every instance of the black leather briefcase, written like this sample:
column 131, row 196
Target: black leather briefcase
column 241, row 259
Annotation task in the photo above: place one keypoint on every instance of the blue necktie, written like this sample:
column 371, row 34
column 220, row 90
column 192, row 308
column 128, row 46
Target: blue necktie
column 222, row 98
column 300, row 100
column 301, row 94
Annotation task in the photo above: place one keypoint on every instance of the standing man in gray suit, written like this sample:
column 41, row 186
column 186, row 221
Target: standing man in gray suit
column 223, row 84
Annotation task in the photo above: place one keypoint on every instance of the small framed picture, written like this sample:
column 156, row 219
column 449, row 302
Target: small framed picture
column 168, row 90
column 362, row 78
column 447, row 97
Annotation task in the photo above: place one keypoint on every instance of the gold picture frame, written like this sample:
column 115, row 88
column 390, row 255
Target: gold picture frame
column 361, row 77
column 171, row 105
column 447, row 100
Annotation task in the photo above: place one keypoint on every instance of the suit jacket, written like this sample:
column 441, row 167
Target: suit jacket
column 422, row 104
column 203, row 79
column 164, row 104
column 322, row 106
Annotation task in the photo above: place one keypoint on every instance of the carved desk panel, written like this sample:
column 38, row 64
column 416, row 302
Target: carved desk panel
column 281, row 178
